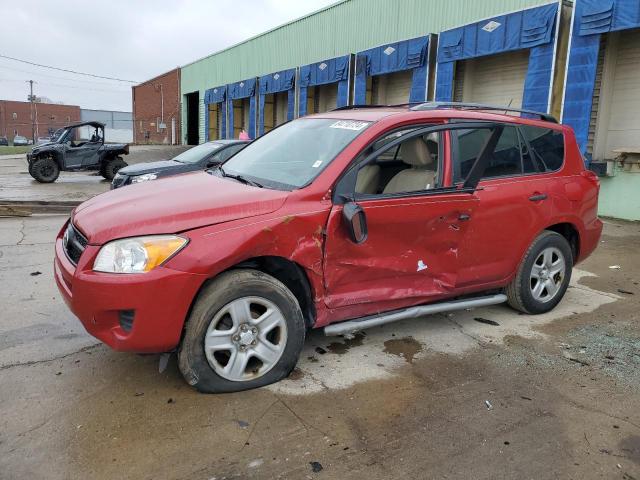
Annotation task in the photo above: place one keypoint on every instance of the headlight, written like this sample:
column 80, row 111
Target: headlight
column 144, row 178
column 137, row 255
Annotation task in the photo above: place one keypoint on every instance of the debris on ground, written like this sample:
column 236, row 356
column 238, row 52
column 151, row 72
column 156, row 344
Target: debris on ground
column 320, row 350
column 242, row 423
column 35, row 274
column 626, row 292
column 488, row 404
column 615, row 267
column 171, row 400
column 315, row 466
column 487, row 321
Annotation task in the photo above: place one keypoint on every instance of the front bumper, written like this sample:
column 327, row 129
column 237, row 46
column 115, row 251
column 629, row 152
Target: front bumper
column 160, row 301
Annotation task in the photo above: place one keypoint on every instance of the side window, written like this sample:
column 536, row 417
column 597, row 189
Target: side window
column 411, row 166
column 547, row 147
column 505, row 160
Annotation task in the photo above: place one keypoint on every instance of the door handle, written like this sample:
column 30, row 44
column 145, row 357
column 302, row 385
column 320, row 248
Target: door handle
column 463, row 217
column 538, row 197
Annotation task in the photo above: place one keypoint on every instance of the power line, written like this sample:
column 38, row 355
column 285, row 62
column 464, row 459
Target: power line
column 74, row 87
column 65, row 70
column 38, row 74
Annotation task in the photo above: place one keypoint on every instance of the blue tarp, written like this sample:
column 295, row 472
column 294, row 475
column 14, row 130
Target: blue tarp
column 283, row 81
column 394, row 57
column 216, row 95
column 591, row 19
column 334, row 70
column 531, row 29
column 239, row 90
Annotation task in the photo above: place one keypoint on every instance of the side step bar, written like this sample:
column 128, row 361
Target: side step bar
column 351, row 326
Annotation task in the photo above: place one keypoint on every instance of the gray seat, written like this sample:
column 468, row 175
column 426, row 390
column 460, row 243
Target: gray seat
column 368, row 179
column 421, row 175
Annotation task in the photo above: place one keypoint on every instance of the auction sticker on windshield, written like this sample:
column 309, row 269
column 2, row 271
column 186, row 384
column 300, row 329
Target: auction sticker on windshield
column 349, row 125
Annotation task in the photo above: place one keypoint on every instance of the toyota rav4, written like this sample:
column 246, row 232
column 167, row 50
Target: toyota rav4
column 343, row 221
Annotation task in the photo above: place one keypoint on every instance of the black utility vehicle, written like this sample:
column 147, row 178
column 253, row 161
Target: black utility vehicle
column 203, row 156
column 67, row 152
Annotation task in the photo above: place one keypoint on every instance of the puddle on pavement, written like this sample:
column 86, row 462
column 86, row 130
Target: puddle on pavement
column 407, row 348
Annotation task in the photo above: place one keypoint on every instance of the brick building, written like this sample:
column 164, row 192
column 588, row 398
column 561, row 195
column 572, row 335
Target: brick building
column 34, row 120
column 156, row 110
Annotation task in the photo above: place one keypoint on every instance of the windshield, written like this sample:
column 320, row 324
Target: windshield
column 195, row 154
column 292, row 155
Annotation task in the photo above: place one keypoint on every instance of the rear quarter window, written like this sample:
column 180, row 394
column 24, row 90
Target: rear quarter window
column 547, row 147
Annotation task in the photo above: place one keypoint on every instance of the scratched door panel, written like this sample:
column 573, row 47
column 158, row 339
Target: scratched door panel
column 410, row 255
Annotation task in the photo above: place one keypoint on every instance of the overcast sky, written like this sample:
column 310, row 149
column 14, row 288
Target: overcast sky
column 128, row 39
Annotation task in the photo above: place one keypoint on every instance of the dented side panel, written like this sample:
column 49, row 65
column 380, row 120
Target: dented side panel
column 410, row 256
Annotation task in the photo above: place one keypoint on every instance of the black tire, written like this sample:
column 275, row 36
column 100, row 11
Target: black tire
column 232, row 286
column 44, row 170
column 110, row 167
column 520, row 290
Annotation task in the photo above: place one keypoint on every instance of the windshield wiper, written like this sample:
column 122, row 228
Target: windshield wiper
column 240, row 178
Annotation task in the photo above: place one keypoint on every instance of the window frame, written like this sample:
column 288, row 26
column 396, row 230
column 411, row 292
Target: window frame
column 344, row 190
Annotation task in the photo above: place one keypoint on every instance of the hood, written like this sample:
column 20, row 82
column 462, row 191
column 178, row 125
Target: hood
column 171, row 205
column 151, row 167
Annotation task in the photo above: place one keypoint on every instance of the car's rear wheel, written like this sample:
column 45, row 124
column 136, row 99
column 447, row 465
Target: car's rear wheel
column 543, row 275
column 246, row 330
column 44, row 170
column 110, row 167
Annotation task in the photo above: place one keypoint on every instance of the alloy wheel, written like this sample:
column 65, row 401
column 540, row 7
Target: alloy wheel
column 245, row 339
column 547, row 274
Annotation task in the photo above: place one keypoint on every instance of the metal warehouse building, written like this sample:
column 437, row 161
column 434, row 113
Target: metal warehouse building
column 355, row 51
column 579, row 60
column 602, row 98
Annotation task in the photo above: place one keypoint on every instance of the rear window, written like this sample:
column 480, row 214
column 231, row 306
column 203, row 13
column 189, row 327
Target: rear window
column 547, row 146
column 505, row 160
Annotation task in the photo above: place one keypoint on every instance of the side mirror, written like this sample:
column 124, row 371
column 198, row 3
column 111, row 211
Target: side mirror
column 213, row 163
column 355, row 221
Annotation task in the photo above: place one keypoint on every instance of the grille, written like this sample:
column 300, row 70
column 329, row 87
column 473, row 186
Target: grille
column 74, row 243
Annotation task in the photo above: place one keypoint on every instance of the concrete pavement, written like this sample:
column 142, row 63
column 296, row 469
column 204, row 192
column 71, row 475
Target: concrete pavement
column 448, row 396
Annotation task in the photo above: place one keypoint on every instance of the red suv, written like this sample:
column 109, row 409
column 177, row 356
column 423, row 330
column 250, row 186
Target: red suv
column 343, row 220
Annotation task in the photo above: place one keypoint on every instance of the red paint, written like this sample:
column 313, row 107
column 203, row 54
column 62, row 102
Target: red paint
column 228, row 223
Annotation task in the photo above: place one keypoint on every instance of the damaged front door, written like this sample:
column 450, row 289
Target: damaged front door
column 414, row 227
column 410, row 253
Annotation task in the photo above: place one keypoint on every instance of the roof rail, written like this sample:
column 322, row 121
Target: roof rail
column 478, row 106
column 351, row 107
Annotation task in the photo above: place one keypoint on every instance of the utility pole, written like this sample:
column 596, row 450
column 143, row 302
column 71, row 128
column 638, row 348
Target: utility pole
column 32, row 99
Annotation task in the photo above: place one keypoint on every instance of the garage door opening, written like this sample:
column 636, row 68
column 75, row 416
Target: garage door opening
column 322, row 98
column 193, row 118
column 215, row 121
column 391, row 89
column 492, row 80
column 275, row 110
column 616, row 105
column 240, row 116
column 325, row 85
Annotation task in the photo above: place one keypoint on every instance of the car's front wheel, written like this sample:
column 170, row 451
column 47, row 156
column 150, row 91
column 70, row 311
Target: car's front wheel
column 44, row 170
column 109, row 169
column 543, row 275
column 246, row 330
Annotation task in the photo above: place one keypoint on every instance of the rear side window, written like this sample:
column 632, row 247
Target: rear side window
column 506, row 159
column 547, row 147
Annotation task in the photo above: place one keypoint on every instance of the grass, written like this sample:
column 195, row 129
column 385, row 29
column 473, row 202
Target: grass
column 14, row 150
